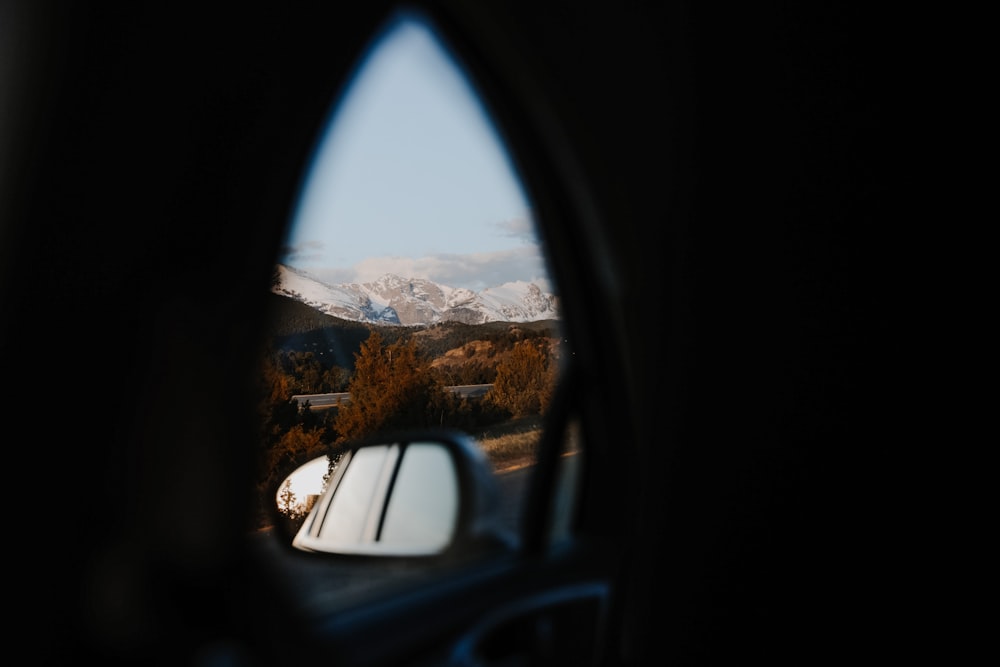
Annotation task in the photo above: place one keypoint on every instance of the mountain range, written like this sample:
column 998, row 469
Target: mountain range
column 416, row 301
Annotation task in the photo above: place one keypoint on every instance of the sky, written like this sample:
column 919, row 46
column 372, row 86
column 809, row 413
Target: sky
column 307, row 480
column 411, row 177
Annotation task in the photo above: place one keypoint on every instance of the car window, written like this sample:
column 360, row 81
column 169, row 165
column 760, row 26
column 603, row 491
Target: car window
column 413, row 291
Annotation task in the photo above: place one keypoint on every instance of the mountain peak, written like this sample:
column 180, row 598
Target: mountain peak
column 394, row 299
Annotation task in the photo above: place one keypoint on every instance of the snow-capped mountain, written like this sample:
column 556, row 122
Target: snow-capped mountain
column 416, row 301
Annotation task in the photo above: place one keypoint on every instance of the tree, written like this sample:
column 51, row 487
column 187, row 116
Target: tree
column 524, row 381
column 336, row 379
column 278, row 412
column 392, row 388
column 297, row 444
column 287, row 502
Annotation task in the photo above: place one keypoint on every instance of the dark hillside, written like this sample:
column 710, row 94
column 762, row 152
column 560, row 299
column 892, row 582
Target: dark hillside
column 437, row 339
column 298, row 327
column 334, row 341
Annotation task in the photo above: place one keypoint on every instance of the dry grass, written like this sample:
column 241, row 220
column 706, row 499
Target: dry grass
column 511, row 445
column 515, row 444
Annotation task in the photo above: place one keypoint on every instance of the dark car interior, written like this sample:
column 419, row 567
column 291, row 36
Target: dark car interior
column 711, row 182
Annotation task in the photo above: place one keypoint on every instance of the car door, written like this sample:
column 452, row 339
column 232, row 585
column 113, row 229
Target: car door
column 712, row 183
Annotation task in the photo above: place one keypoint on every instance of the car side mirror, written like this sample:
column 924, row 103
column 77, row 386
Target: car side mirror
column 423, row 494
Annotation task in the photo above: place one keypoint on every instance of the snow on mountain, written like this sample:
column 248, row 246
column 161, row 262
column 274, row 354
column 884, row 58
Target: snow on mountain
column 348, row 301
column 416, row 301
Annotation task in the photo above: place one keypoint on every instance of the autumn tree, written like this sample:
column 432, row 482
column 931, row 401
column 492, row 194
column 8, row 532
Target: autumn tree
column 278, row 412
column 392, row 388
column 524, row 381
column 287, row 502
column 297, row 444
column 306, row 370
column 336, row 379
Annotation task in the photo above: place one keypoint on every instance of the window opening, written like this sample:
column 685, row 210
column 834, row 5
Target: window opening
column 414, row 289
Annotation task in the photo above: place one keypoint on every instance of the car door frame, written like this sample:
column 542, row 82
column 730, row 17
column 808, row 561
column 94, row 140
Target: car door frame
column 545, row 595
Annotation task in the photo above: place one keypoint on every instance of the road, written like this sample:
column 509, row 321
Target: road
column 333, row 399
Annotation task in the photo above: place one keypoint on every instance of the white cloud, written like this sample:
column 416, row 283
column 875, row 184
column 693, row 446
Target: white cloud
column 522, row 228
column 475, row 271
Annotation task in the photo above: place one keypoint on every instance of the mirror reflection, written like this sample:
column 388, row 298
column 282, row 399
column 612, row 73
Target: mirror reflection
column 300, row 490
column 388, row 499
column 423, row 508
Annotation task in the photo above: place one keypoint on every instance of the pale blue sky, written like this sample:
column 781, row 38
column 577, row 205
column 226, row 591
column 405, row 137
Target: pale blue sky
column 411, row 178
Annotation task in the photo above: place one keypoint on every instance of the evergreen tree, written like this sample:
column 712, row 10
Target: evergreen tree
column 392, row 388
column 278, row 412
column 297, row 444
column 336, row 379
column 524, row 381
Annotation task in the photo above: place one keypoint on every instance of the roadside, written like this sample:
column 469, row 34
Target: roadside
column 511, row 445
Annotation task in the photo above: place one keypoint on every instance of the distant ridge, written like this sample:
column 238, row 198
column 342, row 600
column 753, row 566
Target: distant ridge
column 394, row 300
column 294, row 326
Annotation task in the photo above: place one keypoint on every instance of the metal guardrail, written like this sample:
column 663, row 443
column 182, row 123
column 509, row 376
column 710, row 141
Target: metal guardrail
column 341, row 398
